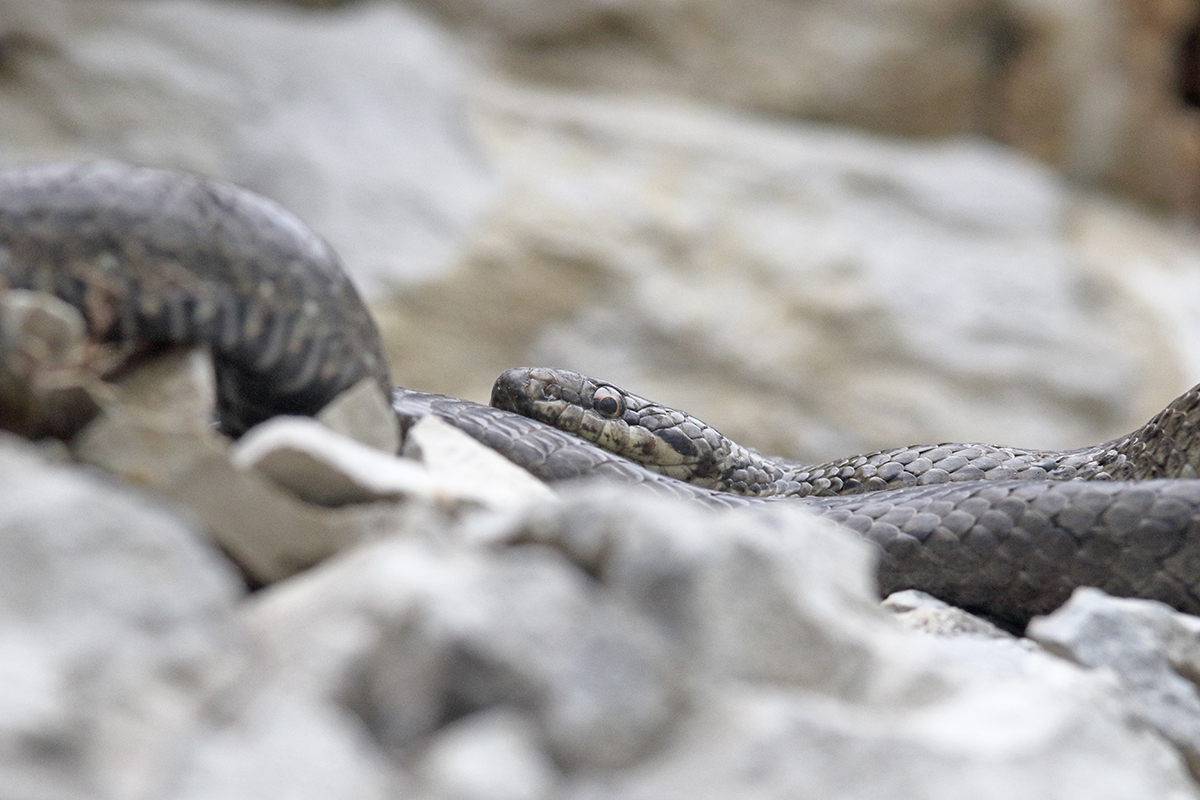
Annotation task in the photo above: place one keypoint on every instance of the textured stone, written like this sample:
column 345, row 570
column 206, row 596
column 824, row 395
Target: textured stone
column 915, row 68
column 46, row 380
column 406, row 636
column 155, row 431
column 811, row 292
column 365, row 415
column 466, row 468
column 1153, row 650
column 116, row 627
column 275, row 741
column 921, row 612
column 321, row 467
column 489, row 755
column 736, row 593
column 648, row 649
column 351, row 119
column 324, row 468
column 1104, row 89
column 989, row 743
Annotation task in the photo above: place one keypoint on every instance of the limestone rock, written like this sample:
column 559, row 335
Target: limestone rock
column 1153, row 650
column 291, row 492
column 742, row 603
column 466, row 467
column 48, row 370
column 914, row 68
column 489, row 755
column 761, row 743
column 811, row 292
column 320, row 467
column 919, row 611
column 324, row 468
column 524, row 628
column 1106, row 90
column 352, row 119
column 156, row 432
column 365, row 415
column 273, row 741
column 647, row 649
column 116, row 622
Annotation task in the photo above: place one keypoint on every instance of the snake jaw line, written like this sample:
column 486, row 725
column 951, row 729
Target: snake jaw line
column 660, row 438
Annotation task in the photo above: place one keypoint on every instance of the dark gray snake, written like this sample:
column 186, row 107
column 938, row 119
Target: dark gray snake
column 160, row 258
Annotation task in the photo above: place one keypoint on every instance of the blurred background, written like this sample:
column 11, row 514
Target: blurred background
column 824, row 226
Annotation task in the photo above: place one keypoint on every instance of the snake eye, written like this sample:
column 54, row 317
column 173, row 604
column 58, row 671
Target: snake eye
column 608, row 402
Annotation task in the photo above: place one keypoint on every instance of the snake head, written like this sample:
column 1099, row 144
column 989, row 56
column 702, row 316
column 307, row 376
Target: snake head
column 660, row 438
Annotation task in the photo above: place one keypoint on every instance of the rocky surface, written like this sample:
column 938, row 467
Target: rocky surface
column 439, row 625
column 1104, row 89
column 1154, row 652
column 354, row 119
column 118, row 627
column 485, row 638
column 813, row 290
column 809, row 292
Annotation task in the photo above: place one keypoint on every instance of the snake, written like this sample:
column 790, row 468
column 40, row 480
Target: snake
column 157, row 258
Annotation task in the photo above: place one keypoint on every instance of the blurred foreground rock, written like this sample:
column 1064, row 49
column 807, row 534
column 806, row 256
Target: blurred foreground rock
column 438, row 626
column 448, row 629
column 621, row 646
column 1154, row 651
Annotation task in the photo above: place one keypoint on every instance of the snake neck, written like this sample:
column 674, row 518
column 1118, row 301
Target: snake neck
column 1168, row 446
column 680, row 446
column 753, row 474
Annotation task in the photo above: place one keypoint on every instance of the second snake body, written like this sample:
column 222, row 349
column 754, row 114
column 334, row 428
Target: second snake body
column 156, row 257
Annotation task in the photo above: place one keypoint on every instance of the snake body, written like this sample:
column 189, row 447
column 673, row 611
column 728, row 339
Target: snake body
column 677, row 445
column 156, row 257
column 160, row 257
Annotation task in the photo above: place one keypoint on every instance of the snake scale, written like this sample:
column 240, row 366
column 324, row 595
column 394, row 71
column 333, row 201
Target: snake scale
column 157, row 257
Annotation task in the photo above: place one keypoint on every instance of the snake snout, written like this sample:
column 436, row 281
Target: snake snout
column 511, row 391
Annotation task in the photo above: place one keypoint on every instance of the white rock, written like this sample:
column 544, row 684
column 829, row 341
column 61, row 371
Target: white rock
column 809, row 291
column 116, row 621
column 994, row 742
column 657, row 650
column 919, row 611
column 455, row 458
column 322, row 467
column 352, row 119
column 277, row 743
column 407, row 634
column 905, row 67
column 1153, row 649
column 1084, row 85
column 156, row 431
column 489, row 755
column 527, row 629
column 364, row 414
column 774, row 596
